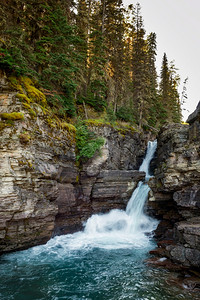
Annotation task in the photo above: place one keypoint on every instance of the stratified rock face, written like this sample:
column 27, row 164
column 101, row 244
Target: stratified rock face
column 31, row 172
column 176, row 187
column 42, row 192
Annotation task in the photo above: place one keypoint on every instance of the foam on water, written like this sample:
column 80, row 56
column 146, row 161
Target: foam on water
column 117, row 229
column 81, row 266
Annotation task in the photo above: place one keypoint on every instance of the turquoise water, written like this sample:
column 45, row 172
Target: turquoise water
column 105, row 261
column 56, row 272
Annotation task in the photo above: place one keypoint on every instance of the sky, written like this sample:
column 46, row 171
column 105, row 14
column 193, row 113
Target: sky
column 177, row 25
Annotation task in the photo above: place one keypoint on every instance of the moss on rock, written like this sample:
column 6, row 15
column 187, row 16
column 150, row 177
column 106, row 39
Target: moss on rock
column 70, row 128
column 12, row 116
column 32, row 92
column 22, row 97
column 4, row 125
column 98, row 123
column 24, row 138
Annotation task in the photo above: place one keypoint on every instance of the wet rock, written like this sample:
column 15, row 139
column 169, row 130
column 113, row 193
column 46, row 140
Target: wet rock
column 176, row 190
column 165, row 263
column 114, row 187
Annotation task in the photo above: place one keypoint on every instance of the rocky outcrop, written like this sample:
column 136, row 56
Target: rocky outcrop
column 176, row 192
column 42, row 191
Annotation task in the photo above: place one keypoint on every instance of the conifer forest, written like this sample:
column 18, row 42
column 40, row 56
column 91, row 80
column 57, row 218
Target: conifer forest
column 92, row 59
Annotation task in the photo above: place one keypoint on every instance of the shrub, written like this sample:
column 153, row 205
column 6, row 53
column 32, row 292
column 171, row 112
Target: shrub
column 87, row 143
column 125, row 114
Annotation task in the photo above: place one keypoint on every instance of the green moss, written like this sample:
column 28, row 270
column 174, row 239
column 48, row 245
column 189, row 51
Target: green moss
column 22, row 97
column 14, row 81
column 26, row 105
column 126, row 130
column 70, row 128
column 51, row 122
column 12, row 116
column 33, row 93
column 25, row 85
column 98, row 123
column 77, row 178
column 4, row 125
column 24, row 138
column 44, row 109
column 31, row 111
column 26, row 164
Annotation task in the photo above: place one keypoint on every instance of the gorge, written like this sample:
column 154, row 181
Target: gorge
column 99, row 178
column 44, row 192
column 105, row 261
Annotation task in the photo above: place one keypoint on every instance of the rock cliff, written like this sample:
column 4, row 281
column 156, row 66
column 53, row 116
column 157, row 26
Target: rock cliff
column 176, row 192
column 42, row 190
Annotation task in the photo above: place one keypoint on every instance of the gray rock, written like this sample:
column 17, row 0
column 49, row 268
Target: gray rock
column 176, row 189
column 193, row 116
column 193, row 256
column 42, row 191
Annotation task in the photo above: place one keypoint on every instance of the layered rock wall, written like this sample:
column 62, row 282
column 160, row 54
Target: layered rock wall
column 42, row 191
column 176, row 187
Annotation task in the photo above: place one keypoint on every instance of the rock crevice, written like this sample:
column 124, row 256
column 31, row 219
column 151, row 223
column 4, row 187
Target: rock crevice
column 176, row 192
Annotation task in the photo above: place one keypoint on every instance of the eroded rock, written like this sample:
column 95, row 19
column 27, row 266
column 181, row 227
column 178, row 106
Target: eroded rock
column 176, row 190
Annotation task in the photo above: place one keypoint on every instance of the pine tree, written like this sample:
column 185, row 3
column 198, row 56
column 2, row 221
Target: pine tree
column 174, row 103
column 170, row 110
column 139, row 61
column 153, row 103
column 113, row 33
column 96, row 60
column 164, row 90
column 89, row 52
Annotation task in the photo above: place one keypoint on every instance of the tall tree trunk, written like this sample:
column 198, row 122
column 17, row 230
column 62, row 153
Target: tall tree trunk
column 103, row 15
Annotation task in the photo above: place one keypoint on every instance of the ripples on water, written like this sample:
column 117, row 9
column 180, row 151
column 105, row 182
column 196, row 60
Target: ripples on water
column 56, row 271
column 105, row 262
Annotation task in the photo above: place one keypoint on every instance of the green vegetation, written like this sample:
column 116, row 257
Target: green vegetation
column 87, row 142
column 12, row 116
column 24, row 138
column 88, row 58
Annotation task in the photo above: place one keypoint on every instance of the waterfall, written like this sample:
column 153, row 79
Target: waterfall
column 118, row 228
column 135, row 206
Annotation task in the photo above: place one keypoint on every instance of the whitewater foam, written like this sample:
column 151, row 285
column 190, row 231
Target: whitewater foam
column 117, row 229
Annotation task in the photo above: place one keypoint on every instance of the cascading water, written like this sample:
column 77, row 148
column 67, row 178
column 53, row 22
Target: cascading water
column 122, row 229
column 104, row 262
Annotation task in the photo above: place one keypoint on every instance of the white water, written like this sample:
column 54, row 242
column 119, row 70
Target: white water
column 56, row 271
column 118, row 229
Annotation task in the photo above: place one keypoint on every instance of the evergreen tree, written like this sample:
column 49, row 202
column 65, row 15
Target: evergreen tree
column 139, row 62
column 184, row 96
column 89, row 52
column 113, row 33
column 153, row 103
column 97, row 61
column 170, row 103
column 164, row 89
column 174, row 103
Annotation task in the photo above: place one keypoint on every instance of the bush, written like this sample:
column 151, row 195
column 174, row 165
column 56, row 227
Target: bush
column 87, row 143
column 125, row 114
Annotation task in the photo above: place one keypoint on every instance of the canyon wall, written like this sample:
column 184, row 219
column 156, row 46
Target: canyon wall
column 43, row 192
column 176, row 192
